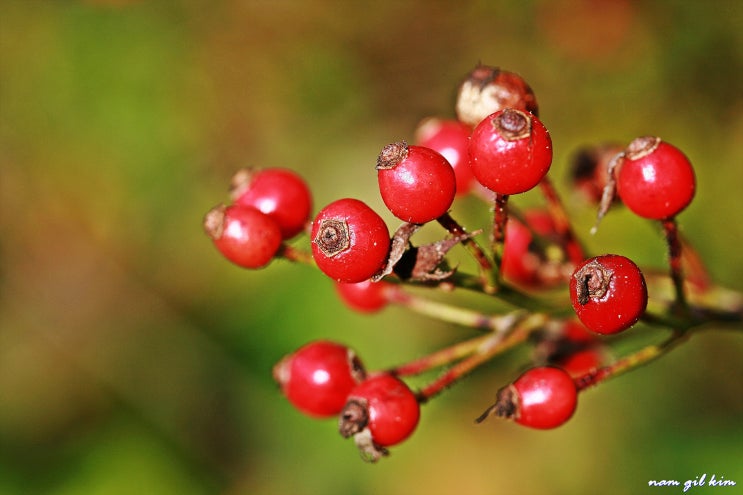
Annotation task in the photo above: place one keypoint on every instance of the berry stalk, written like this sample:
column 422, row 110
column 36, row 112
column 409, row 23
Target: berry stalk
column 508, row 337
column 630, row 362
column 446, row 312
column 670, row 229
column 487, row 269
column 562, row 221
column 296, row 255
column 500, row 218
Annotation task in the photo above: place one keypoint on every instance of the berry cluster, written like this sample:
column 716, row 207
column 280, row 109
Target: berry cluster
column 568, row 302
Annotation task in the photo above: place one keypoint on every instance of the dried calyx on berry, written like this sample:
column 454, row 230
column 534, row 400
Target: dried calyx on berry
column 417, row 184
column 544, row 397
column 653, row 178
column 592, row 281
column 487, row 90
column 608, row 293
column 380, row 412
column 510, row 151
column 350, row 241
column 243, row 234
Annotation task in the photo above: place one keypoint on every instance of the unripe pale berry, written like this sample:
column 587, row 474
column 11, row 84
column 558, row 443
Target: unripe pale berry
column 487, row 90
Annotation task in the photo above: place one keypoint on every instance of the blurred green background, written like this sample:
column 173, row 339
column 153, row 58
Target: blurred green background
column 134, row 359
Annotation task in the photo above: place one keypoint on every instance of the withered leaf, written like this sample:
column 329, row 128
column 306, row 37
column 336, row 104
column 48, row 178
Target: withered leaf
column 422, row 263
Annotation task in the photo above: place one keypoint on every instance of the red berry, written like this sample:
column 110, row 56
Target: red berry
column 417, row 183
column 385, row 406
column 365, row 296
column 279, row 193
column 608, row 293
column 520, row 262
column 510, row 152
column 451, row 138
column 544, row 397
column 655, row 179
column 350, row 241
column 487, row 90
column 244, row 235
column 581, row 361
column 576, row 333
column 318, row 377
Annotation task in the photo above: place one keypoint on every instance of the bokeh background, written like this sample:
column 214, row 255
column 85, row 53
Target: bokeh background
column 134, row 359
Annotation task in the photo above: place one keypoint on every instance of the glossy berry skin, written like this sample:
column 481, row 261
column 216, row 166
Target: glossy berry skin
column 488, row 89
column 244, row 235
column 417, row 184
column 317, row 378
column 545, row 397
column 365, row 296
column 279, row 193
column 510, row 152
column 655, row 179
column 451, row 138
column 386, row 406
column 350, row 241
column 608, row 293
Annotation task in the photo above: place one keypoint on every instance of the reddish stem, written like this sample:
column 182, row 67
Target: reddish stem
column 486, row 350
column 500, row 218
column 501, row 325
column 561, row 218
column 670, row 228
column 696, row 271
column 441, row 357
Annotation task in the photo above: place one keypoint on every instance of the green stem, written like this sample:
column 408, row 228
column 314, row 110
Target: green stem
column 445, row 312
column 630, row 362
column 495, row 344
column 291, row 253
column 488, row 271
column 560, row 218
column 441, row 357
